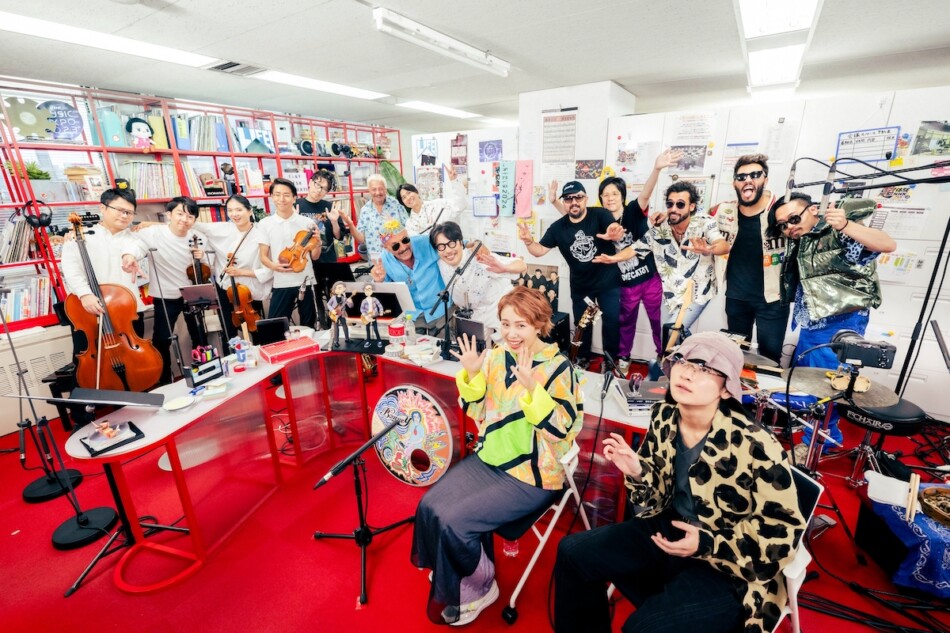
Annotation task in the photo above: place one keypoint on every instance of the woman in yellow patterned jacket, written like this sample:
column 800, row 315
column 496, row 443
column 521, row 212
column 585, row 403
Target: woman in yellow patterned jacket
column 718, row 514
column 524, row 397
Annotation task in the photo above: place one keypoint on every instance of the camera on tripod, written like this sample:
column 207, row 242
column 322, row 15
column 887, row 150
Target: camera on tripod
column 853, row 349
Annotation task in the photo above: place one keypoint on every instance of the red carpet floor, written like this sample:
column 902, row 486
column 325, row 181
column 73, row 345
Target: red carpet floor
column 271, row 575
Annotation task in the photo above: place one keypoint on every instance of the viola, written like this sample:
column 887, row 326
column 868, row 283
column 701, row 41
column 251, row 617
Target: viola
column 118, row 359
column 242, row 310
column 198, row 273
column 297, row 253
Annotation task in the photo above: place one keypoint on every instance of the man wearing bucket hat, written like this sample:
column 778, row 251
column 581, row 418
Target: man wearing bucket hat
column 717, row 512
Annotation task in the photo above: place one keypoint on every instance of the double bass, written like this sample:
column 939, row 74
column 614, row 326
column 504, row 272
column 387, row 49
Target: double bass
column 115, row 357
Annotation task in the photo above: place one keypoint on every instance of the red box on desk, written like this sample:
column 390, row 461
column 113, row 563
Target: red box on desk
column 283, row 351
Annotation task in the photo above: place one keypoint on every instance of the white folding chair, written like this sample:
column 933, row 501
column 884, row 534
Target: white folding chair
column 516, row 529
column 809, row 492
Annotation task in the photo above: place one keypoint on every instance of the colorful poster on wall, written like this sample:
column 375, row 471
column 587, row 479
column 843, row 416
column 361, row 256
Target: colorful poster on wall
column 427, row 151
column 506, row 188
column 429, row 182
column 459, row 156
column 933, row 138
column 490, row 151
column 524, row 185
column 588, row 169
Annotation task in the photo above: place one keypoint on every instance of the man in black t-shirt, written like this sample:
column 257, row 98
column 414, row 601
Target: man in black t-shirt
column 579, row 236
column 755, row 260
column 330, row 225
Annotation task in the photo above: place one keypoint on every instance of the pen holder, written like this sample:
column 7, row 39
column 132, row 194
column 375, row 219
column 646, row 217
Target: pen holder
column 207, row 371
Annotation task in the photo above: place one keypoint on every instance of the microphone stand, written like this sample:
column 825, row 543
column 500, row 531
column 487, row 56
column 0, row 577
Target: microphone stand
column 444, row 298
column 362, row 535
column 85, row 527
column 176, row 347
column 431, row 226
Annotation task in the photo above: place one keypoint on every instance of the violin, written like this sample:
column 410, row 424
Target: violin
column 242, row 311
column 297, row 253
column 198, row 273
column 115, row 357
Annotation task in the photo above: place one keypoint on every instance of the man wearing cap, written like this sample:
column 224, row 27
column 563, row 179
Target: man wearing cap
column 717, row 520
column 412, row 261
column 580, row 237
column 829, row 274
column 754, row 262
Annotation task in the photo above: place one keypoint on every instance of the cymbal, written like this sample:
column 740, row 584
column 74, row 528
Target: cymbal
column 755, row 360
column 812, row 380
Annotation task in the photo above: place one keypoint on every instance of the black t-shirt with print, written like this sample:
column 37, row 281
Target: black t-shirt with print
column 317, row 211
column 635, row 222
column 578, row 244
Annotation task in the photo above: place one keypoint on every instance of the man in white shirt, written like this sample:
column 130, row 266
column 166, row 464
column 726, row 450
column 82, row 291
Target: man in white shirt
column 171, row 249
column 278, row 230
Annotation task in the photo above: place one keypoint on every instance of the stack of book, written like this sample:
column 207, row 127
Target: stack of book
column 151, row 179
column 15, row 242
column 29, row 297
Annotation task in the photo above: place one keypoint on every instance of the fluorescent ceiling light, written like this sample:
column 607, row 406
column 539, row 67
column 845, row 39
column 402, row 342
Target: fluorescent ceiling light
column 316, row 84
column 498, row 122
column 774, row 92
column 94, row 39
column 761, row 18
column 437, row 109
column 775, row 65
column 421, row 35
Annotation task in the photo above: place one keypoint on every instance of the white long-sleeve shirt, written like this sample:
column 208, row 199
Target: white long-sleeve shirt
column 172, row 256
column 450, row 206
column 105, row 254
column 223, row 238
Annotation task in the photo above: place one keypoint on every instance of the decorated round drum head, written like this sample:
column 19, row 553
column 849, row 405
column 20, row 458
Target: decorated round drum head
column 419, row 448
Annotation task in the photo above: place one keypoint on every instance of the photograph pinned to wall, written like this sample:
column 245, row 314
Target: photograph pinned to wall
column 542, row 277
column 427, row 151
column 429, row 182
column 490, row 151
column 540, row 194
column 588, row 169
column 692, row 161
column 703, row 186
column 693, row 128
column 933, row 139
column 484, row 206
column 524, row 181
column 626, row 155
column 459, row 157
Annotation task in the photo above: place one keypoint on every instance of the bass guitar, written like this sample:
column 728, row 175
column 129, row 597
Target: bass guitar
column 115, row 357
column 591, row 314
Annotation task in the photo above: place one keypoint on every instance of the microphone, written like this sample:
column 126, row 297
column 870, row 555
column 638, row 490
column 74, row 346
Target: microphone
column 303, row 289
column 22, row 426
column 608, row 378
column 431, row 226
column 790, row 185
column 829, row 187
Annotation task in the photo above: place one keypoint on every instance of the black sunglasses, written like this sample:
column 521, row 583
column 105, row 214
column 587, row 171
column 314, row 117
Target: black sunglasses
column 397, row 245
column 754, row 175
column 793, row 220
column 679, row 204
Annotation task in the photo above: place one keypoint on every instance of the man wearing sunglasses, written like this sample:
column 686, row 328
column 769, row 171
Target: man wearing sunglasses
column 581, row 238
column 754, row 262
column 829, row 274
column 414, row 262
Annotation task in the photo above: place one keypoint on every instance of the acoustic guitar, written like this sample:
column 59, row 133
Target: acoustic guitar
column 591, row 314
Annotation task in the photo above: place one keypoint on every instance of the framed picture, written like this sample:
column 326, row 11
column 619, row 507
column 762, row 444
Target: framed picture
column 485, row 206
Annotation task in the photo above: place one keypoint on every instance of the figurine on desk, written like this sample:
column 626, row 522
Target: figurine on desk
column 336, row 307
column 370, row 310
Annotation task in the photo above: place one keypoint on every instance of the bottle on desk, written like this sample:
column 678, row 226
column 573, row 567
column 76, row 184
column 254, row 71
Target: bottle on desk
column 410, row 329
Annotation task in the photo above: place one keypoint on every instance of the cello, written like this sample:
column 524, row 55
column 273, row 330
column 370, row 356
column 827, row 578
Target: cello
column 242, row 311
column 115, row 357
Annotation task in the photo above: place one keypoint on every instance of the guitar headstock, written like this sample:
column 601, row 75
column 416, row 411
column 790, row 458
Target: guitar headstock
column 591, row 314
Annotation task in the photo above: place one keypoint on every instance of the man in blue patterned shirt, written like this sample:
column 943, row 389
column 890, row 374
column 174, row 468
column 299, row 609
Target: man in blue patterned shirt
column 380, row 208
column 829, row 272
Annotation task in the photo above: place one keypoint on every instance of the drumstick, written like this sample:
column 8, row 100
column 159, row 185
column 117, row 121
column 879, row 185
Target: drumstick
column 912, row 500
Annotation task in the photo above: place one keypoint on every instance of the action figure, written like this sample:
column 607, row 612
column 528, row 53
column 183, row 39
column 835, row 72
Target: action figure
column 370, row 308
column 337, row 306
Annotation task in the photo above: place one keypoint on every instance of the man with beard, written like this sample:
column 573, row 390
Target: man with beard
column 753, row 265
column 580, row 236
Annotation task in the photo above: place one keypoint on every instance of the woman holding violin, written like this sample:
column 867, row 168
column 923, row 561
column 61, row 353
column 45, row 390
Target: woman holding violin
column 171, row 245
column 288, row 244
column 242, row 280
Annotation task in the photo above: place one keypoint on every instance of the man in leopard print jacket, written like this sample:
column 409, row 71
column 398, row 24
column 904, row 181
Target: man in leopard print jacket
column 717, row 514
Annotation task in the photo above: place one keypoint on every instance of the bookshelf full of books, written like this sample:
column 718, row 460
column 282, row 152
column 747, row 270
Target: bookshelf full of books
column 64, row 145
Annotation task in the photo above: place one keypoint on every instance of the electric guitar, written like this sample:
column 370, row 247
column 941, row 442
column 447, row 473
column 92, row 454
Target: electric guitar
column 591, row 314
column 340, row 309
column 372, row 316
column 677, row 328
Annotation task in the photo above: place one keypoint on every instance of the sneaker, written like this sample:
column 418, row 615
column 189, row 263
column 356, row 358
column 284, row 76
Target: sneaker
column 623, row 365
column 471, row 610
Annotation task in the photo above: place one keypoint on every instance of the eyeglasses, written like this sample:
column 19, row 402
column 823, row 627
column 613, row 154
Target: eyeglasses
column 754, row 175
column 793, row 220
column 691, row 367
column 575, row 197
column 317, row 186
column 397, row 245
column 679, row 204
column 121, row 212
column 444, row 245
